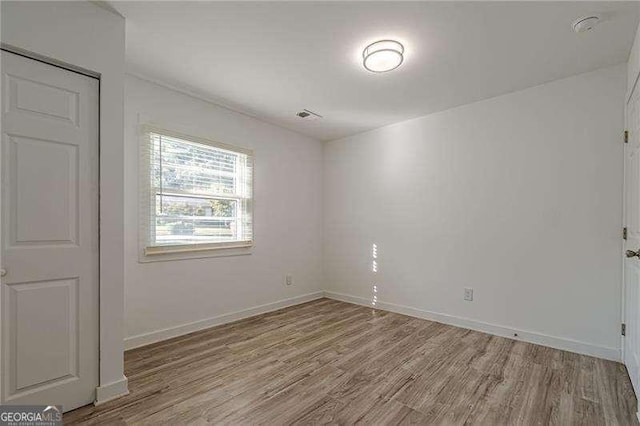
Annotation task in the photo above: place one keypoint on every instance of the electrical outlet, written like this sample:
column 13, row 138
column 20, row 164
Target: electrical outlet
column 468, row 294
column 288, row 280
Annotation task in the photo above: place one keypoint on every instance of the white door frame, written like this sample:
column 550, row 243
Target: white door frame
column 623, row 320
column 97, row 76
column 624, row 216
column 623, row 309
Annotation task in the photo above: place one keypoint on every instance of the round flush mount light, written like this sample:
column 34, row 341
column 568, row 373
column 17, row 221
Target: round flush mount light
column 383, row 56
column 585, row 23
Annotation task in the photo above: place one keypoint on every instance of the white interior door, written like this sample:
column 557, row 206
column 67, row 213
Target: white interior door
column 632, row 243
column 49, row 180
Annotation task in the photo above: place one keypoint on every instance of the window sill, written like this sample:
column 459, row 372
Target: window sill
column 165, row 254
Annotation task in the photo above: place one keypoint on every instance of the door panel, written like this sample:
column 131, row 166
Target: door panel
column 631, row 338
column 49, row 173
column 38, row 98
column 632, row 220
column 58, row 332
column 52, row 217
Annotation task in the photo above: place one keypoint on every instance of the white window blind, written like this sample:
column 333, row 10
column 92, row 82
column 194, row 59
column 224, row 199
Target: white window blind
column 197, row 194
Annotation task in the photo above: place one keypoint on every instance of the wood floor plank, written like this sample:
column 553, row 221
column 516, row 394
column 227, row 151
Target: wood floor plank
column 329, row 362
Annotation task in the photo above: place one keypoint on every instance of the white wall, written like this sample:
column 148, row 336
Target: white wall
column 165, row 299
column 86, row 36
column 518, row 197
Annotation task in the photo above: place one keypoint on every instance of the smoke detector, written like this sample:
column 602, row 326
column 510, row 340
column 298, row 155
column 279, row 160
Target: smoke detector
column 585, row 23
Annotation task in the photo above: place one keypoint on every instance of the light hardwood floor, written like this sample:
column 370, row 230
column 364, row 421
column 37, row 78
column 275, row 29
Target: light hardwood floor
column 332, row 362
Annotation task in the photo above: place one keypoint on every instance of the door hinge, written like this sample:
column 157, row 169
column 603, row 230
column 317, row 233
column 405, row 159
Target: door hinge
column 623, row 329
column 626, row 136
column 624, row 233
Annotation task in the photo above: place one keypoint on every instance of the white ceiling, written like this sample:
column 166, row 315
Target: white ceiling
column 272, row 59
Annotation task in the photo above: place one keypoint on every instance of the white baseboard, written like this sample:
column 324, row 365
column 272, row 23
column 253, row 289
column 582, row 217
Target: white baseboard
column 113, row 390
column 132, row 342
column 167, row 333
column 613, row 354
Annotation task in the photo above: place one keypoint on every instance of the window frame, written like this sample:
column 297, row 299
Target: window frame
column 150, row 252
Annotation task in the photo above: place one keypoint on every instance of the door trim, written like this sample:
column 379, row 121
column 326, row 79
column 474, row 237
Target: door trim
column 48, row 61
column 623, row 309
column 623, row 304
column 100, row 389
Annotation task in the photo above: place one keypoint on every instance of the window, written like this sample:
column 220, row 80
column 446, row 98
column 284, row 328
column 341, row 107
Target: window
column 196, row 194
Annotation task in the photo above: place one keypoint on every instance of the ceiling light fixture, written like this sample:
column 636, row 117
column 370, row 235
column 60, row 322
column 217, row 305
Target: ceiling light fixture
column 383, row 56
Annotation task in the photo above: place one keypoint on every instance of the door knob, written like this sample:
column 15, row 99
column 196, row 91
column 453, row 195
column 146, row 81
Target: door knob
column 3, row 272
column 631, row 253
